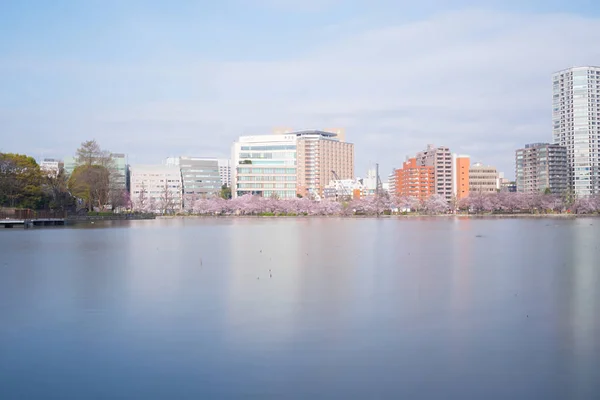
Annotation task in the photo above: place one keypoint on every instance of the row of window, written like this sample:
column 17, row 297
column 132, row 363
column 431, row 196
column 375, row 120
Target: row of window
column 246, row 170
column 266, row 185
column 269, row 148
column 267, row 178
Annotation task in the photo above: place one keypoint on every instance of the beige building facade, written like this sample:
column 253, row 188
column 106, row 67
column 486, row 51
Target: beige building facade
column 320, row 157
column 483, row 179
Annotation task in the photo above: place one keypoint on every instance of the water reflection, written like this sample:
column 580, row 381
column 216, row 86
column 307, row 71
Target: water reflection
column 355, row 308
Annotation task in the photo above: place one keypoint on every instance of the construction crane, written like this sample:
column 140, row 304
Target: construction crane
column 344, row 191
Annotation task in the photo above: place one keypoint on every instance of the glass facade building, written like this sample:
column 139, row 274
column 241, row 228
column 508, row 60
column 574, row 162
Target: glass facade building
column 576, row 119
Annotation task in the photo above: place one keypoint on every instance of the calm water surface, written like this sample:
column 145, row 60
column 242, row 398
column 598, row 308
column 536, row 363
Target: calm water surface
column 355, row 308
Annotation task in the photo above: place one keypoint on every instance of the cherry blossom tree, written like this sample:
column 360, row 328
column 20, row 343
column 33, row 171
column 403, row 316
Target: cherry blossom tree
column 436, row 204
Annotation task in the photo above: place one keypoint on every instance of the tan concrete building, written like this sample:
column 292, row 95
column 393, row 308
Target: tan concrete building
column 483, row 179
column 319, row 154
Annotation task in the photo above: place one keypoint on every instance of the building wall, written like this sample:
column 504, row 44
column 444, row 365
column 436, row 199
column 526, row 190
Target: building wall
column 483, row 179
column 201, row 178
column 119, row 178
column 318, row 154
column 540, row 166
column 576, row 125
column 440, row 159
column 51, row 166
column 264, row 165
column 461, row 183
column 225, row 171
column 414, row 180
column 309, row 155
column 155, row 180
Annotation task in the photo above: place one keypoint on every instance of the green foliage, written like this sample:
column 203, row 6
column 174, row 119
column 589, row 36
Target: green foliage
column 225, row 192
column 20, row 181
column 245, row 162
column 547, row 191
column 91, row 184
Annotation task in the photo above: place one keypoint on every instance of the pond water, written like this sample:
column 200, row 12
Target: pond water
column 427, row 308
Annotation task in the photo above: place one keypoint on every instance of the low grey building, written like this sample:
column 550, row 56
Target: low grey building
column 201, row 176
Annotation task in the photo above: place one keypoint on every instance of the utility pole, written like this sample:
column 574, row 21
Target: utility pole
column 377, row 188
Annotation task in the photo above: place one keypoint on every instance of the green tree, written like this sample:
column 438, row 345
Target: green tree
column 547, row 191
column 90, row 153
column 225, row 192
column 91, row 184
column 56, row 190
column 20, row 181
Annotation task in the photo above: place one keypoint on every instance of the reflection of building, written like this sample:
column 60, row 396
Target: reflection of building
column 461, row 165
column 483, row 179
column 440, row 159
column 289, row 163
column 575, row 108
column 415, row 180
column 161, row 184
column 541, row 166
column 51, row 166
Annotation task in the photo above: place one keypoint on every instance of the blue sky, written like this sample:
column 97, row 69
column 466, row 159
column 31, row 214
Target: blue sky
column 156, row 79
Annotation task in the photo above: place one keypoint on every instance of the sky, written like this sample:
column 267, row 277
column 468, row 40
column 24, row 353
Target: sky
column 154, row 79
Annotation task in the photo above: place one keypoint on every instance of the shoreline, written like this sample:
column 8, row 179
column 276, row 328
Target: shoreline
column 459, row 216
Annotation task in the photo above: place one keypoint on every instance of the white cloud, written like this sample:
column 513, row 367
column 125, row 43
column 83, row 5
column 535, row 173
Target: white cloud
column 477, row 81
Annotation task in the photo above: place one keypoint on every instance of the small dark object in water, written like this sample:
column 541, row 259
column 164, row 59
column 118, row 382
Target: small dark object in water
column 478, row 236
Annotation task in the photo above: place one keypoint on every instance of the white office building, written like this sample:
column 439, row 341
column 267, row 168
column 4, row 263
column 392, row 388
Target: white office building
column 51, row 166
column 156, row 188
column 264, row 165
column 225, row 171
column 576, row 125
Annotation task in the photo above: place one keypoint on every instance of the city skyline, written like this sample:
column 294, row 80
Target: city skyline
column 152, row 82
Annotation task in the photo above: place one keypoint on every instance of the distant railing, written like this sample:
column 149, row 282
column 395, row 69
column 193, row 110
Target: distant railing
column 22, row 214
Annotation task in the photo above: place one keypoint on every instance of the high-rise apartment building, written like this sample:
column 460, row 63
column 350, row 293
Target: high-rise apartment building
column 460, row 184
column 320, row 157
column 483, row 179
column 576, row 125
column 440, row 159
column 541, row 166
column 288, row 163
column 415, row 180
column 392, row 182
column 161, row 186
column 225, row 171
